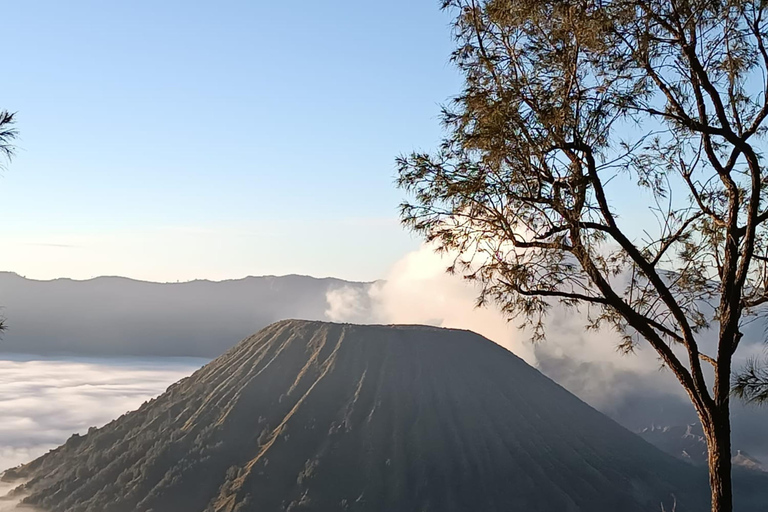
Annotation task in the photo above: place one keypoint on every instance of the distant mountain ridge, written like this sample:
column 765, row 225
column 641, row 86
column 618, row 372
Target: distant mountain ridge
column 313, row 416
column 688, row 443
column 115, row 316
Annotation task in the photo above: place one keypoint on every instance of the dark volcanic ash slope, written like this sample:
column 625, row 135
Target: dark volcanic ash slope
column 311, row 416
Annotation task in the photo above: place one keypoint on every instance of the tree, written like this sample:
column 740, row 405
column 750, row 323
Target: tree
column 7, row 136
column 563, row 102
column 751, row 384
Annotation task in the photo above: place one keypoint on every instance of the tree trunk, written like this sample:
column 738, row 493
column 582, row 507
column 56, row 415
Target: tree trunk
column 718, row 434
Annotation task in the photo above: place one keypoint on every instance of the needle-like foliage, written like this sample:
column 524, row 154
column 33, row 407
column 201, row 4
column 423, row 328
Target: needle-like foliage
column 566, row 104
column 7, row 135
column 751, row 384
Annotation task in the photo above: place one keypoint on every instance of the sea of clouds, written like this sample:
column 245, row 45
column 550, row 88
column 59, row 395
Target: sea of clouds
column 44, row 401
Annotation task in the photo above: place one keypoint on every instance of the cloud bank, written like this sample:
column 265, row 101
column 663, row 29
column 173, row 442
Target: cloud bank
column 418, row 290
column 43, row 402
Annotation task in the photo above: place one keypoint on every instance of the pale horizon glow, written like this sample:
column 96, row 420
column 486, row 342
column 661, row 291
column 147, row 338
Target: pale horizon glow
column 169, row 141
column 179, row 253
column 174, row 141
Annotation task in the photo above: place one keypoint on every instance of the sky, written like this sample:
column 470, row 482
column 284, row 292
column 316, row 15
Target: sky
column 178, row 140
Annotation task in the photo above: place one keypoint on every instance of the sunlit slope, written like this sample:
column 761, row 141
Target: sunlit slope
column 312, row 416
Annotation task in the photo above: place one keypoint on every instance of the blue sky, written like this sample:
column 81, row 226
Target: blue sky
column 178, row 140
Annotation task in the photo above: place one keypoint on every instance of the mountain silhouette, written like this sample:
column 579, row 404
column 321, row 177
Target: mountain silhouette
column 313, row 416
column 116, row 316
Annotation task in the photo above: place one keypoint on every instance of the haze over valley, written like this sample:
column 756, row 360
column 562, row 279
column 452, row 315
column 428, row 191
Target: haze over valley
column 43, row 401
column 113, row 316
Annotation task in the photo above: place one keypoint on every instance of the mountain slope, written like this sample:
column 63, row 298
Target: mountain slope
column 311, row 416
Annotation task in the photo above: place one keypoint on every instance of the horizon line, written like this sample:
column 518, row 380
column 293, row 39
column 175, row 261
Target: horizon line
column 196, row 280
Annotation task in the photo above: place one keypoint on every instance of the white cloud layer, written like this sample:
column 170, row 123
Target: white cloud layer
column 418, row 290
column 43, row 402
